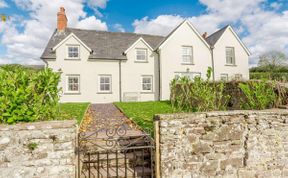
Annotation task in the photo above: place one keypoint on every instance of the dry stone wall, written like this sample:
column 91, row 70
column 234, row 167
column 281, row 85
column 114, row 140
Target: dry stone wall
column 40, row 149
column 224, row 144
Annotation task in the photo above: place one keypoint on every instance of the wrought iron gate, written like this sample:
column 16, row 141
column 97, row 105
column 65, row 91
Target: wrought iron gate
column 117, row 151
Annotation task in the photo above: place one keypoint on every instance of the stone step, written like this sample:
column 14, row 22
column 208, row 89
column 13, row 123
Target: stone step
column 112, row 172
column 137, row 156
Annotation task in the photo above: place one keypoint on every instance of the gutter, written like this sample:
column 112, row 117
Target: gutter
column 212, row 58
column 120, row 81
column 159, row 75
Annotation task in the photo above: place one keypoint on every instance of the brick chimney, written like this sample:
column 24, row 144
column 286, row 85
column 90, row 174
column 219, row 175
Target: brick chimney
column 61, row 20
column 205, row 35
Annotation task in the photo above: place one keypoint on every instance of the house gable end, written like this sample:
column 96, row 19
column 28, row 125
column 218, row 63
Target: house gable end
column 135, row 43
column 186, row 22
column 230, row 29
column 71, row 35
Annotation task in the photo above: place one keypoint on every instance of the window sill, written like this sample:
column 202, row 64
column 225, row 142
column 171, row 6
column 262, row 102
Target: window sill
column 231, row 65
column 72, row 93
column 141, row 61
column 146, row 92
column 187, row 63
column 104, row 92
column 72, row 59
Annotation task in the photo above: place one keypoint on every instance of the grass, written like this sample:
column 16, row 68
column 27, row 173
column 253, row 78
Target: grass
column 73, row 111
column 142, row 112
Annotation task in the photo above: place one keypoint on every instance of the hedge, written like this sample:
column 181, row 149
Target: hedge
column 28, row 95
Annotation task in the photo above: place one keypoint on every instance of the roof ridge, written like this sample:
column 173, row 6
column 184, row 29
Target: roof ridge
column 103, row 31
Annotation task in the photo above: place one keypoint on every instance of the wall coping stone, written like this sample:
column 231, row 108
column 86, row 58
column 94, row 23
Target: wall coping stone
column 176, row 116
column 39, row 125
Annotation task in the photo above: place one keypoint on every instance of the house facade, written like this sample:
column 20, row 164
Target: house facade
column 102, row 67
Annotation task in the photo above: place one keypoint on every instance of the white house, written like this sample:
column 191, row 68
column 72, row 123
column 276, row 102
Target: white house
column 101, row 67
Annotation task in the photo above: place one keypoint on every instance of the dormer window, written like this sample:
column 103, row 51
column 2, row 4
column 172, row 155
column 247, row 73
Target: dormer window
column 230, row 56
column 141, row 55
column 73, row 51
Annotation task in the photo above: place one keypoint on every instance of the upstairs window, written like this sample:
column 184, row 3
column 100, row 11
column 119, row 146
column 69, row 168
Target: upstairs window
column 105, row 83
column 187, row 55
column 73, row 83
column 147, row 83
column 141, row 55
column 73, row 52
column 230, row 56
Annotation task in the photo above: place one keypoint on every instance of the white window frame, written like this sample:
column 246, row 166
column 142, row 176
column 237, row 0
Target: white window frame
column 67, row 83
column 191, row 77
column 187, row 55
column 222, row 77
column 110, row 83
column 238, row 77
column 145, row 52
column 67, row 52
column 151, row 79
column 228, row 62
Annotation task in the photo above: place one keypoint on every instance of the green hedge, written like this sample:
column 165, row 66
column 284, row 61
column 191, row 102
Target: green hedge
column 279, row 76
column 27, row 95
column 204, row 95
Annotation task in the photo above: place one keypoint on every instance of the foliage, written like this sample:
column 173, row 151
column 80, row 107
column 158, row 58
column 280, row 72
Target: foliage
column 272, row 59
column 198, row 95
column 277, row 76
column 32, row 146
column 259, row 95
column 72, row 111
column 27, row 95
column 142, row 112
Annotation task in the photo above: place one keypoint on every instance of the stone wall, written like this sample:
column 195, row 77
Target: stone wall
column 40, row 149
column 223, row 144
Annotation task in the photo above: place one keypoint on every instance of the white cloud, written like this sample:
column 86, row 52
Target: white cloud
column 27, row 46
column 161, row 25
column 96, row 4
column 91, row 23
column 3, row 4
column 118, row 27
column 261, row 29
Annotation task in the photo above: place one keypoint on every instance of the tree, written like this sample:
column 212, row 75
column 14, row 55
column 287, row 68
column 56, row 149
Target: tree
column 4, row 18
column 272, row 60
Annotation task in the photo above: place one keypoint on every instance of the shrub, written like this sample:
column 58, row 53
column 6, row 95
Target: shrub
column 27, row 95
column 198, row 95
column 259, row 95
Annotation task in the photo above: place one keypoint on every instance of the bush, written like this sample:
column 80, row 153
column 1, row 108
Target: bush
column 259, row 95
column 27, row 95
column 198, row 95
column 277, row 76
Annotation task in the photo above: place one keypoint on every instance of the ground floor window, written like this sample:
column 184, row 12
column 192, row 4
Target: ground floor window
column 147, row 83
column 190, row 75
column 73, row 83
column 105, row 82
column 224, row 77
column 238, row 76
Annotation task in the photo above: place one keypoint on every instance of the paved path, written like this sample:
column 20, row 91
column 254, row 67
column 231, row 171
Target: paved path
column 106, row 116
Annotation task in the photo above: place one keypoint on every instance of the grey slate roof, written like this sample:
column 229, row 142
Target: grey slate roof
column 214, row 37
column 105, row 45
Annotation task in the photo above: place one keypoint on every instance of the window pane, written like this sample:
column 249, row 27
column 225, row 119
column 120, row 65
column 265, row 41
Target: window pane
column 73, row 83
column 147, row 83
column 73, row 51
column 141, row 54
column 187, row 54
column 230, row 55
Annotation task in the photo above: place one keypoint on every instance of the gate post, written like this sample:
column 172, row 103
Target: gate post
column 157, row 147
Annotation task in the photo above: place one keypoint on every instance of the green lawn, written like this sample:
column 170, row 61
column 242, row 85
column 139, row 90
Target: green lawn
column 72, row 111
column 142, row 112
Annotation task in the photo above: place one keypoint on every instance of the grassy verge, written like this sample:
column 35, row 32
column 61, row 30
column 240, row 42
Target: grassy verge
column 142, row 112
column 72, row 111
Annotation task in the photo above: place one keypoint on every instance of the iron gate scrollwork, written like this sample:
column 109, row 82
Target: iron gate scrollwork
column 116, row 151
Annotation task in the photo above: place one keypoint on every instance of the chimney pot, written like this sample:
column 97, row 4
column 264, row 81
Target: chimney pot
column 61, row 20
column 205, row 35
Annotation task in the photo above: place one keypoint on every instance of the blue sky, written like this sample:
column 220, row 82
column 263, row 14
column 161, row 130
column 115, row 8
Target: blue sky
column 261, row 24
